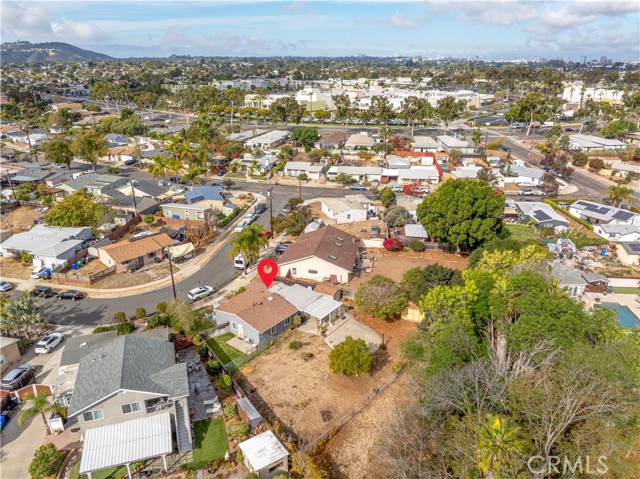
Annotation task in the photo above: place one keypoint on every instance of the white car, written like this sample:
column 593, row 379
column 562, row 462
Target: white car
column 200, row 292
column 4, row 286
column 48, row 343
column 396, row 188
column 240, row 226
column 38, row 273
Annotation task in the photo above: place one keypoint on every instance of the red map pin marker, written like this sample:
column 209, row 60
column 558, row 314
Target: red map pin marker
column 268, row 270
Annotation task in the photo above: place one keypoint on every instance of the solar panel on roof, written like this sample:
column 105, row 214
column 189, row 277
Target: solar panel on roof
column 635, row 247
column 195, row 199
column 623, row 215
column 541, row 215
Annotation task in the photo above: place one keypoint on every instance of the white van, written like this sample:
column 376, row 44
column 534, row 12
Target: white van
column 239, row 262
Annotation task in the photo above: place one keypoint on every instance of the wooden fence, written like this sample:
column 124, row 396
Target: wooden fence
column 8, row 207
column 80, row 279
column 120, row 231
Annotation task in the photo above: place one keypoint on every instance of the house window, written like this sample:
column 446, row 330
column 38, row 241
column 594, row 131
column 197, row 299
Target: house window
column 151, row 255
column 273, row 330
column 92, row 415
column 186, row 214
column 129, row 408
column 349, row 216
column 167, row 213
column 126, row 261
column 199, row 215
column 234, row 325
column 287, row 321
column 294, row 271
column 1, row 359
column 313, row 271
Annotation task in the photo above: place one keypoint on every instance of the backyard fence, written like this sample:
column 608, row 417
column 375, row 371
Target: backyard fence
column 71, row 278
column 8, row 207
column 328, row 434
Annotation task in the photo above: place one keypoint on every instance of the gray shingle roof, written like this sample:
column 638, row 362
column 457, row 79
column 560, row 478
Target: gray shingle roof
column 132, row 362
column 77, row 347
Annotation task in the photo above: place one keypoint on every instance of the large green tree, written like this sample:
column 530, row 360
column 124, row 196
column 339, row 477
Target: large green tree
column 462, row 212
column 417, row 281
column 59, row 151
column 78, row 209
column 449, row 109
column 40, row 404
column 286, row 110
column 306, row 136
column 90, row 145
column 249, row 241
column 381, row 297
column 351, row 357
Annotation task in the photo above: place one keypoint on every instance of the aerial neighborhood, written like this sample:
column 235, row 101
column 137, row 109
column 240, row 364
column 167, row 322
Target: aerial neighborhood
column 223, row 267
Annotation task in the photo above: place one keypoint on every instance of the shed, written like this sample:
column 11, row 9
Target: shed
column 248, row 413
column 265, row 455
column 9, row 353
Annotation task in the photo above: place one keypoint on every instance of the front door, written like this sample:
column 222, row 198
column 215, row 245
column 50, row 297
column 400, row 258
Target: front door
column 141, row 261
column 240, row 331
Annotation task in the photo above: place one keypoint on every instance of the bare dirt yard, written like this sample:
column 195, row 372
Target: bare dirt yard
column 10, row 268
column 20, row 219
column 127, row 280
column 297, row 387
column 394, row 264
column 362, row 229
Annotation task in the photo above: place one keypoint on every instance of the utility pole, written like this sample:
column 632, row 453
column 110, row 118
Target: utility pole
column 133, row 195
column 270, row 210
column 299, row 187
column 173, row 283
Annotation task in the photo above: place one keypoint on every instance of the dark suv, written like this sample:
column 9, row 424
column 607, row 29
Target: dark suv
column 261, row 208
column 43, row 291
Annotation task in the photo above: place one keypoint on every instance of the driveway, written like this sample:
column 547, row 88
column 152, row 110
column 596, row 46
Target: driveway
column 20, row 443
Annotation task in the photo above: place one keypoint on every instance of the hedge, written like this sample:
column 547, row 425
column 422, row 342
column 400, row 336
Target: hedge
column 555, row 206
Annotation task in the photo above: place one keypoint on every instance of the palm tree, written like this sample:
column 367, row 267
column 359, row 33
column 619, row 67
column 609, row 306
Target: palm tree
column 248, row 242
column 25, row 313
column 619, row 193
column 173, row 165
column 158, row 166
column 498, row 443
column 40, row 404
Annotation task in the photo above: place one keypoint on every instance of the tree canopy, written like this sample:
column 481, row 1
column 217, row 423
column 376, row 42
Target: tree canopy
column 462, row 212
column 381, row 297
column 305, row 135
column 351, row 357
column 78, row 209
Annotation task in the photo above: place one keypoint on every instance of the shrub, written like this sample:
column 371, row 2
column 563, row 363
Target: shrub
column 596, row 164
column 149, row 219
column 555, row 206
column 125, row 328
column 141, row 313
column 213, row 367
column 381, row 297
column 102, row 329
column 230, row 411
column 203, row 351
column 580, row 159
column 241, row 290
column 225, row 382
column 158, row 320
column 26, row 257
column 113, row 170
column 417, row 246
column 295, row 345
column 297, row 320
column 350, row 357
column 252, row 475
column 392, row 244
column 47, row 461
column 120, row 317
column 197, row 340
column 239, row 430
column 23, row 344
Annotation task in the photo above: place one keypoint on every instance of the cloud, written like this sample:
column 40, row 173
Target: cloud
column 32, row 21
column 299, row 8
column 400, row 20
column 503, row 12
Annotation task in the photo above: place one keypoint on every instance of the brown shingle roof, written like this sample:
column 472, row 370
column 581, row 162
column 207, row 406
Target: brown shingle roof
column 255, row 308
column 132, row 249
column 329, row 243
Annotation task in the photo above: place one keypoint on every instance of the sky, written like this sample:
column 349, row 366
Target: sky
column 494, row 29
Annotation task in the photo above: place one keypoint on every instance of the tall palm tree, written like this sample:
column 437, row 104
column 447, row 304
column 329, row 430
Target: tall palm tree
column 620, row 193
column 40, row 404
column 158, row 166
column 498, row 442
column 25, row 313
column 173, row 165
column 249, row 241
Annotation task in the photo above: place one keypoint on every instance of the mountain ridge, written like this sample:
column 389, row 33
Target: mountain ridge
column 46, row 52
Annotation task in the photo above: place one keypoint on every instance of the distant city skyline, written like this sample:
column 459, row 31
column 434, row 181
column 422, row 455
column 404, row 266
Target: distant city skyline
column 494, row 30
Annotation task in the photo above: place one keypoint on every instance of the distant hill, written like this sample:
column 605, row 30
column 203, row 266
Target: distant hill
column 26, row 52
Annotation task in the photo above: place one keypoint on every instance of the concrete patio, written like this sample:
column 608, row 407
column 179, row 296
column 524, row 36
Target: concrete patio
column 203, row 400
column 241, row 345
column 338, row 331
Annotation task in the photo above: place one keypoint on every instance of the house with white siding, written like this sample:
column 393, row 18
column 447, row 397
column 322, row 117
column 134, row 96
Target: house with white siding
column 452, row 143
column 419, row 174
column 591, row 143
column 347, row 209
column 425, row 144
column 296, row 168
column 596, row 213
column 358, row 173
column 618, row 233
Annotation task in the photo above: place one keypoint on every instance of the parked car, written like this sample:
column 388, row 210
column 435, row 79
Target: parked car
column 240, row 226
column 287, row 209
column 49, row 343
column 375, row 231
column 41, row 291
column 504, row 148
column 239, row 262
column 200, row 292
column 72, row 294
column 221, row 172
column 568, row 129
column 396, row 188
column 261, row 208
column 38, row 273
column 18, row 377
column 4, row 286
column 282, row 247
column 130, row 162
column 358, row 187
column 133, row 267
column 249, row 218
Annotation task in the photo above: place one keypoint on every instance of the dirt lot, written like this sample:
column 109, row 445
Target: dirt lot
column 20, row 219
column 362, row 229
column 353, row 452
column 302, row 392
column 10, row 268
column 393, row 264
column 126, row 280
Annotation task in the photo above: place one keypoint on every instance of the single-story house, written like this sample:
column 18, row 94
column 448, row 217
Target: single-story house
column 268, row 140
column 424, row 175
column 116, row 139
column 61, row 176
column 296, row 168
column 245, row 135
column 210, row 196
column 331, row 140
column 425, row 144
column 541, row 214
column 186, row 212
column 359, row 141
column 259, row 164
column 624, row 169
column 143, row 205
column 9, row 353
column 321, row 308
column 452, row 143
column 347, row 209
column 265, row 456
column 629, row 253
column 470, row 172
column 618, row 233
column 257, row 315
column 358, row 173
column 120, row 153
column 49, row 246
column 591, row 142
column 410, row 203
column 157, row 190
column 94, row 184
column 569, row 278
column 129, row 386
column 596, row 213
column 520, row 174
column 395, row 162
column 139, row 251
column 415, row 232
column 596, row 282
column 327, row 254
column 33, row 174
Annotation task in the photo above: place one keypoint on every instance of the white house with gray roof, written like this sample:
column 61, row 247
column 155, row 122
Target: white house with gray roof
column 591, row 142
column 543, row 215
column 419, row 174
column 522, row 175
column 358, row 173
column 618, row 233
column 452, row 143
column 94, row 184
column 425, row 144
column 347, row 209
column 296, row 168
column 268, row 140
column 597, row 213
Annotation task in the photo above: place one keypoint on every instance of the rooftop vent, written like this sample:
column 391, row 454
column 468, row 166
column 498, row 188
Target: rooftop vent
column 332, row 257
column 339, row 239
column 338, row 244
column 83, row 345
column 270, row 298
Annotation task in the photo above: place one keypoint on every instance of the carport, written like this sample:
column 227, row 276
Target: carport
column 126, row 442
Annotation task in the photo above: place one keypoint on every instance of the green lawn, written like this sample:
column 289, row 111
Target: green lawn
column 211, row 441
column 224, row 352
column 522, row 233
column 235, row 175
column 111, row 473
column 623, row 290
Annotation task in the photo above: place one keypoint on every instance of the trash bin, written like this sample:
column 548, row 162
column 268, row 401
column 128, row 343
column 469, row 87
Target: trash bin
column 74, row 266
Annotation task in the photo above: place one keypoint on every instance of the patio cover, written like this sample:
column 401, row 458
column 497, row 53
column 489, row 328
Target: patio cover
column 180, row 250
column 322, row 307
column 126, row 442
